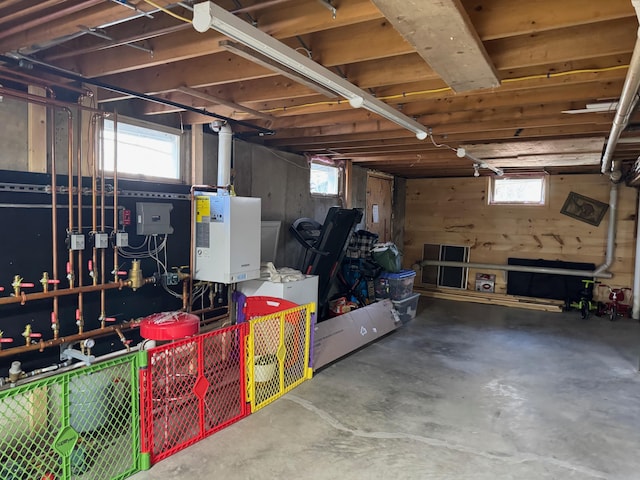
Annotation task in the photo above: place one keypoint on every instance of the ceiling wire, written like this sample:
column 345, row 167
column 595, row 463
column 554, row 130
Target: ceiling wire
column 445, row 89
column 167, row 11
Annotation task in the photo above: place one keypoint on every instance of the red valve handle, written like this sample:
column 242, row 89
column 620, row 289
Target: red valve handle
column 53, row 282
column 68, row 267
column 6, row 340
column 26, row 285
column 1, row 289
column 109, row 319
column 35, row 335
column 90, row 264
column 77, row 314
column 53, row 317
column 121, row 272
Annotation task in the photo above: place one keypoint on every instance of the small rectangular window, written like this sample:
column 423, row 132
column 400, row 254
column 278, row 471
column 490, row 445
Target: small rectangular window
column 143, row 150
column 325, row 179
column 523, row 190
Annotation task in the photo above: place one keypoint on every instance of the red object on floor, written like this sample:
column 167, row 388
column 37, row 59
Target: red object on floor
column 169, row 326
column 260, row 306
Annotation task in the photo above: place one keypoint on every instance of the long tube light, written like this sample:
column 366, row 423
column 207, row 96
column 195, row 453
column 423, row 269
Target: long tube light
column 208, row 15
column 462, row 153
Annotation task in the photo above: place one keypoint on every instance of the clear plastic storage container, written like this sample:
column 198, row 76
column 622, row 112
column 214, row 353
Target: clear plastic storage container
column 407, row 308
column 396, row 286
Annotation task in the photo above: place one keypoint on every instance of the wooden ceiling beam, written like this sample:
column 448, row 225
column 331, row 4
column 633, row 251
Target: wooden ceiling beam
column 296, row 19
column 85, row 13
column 506, row 18
column 443, row 35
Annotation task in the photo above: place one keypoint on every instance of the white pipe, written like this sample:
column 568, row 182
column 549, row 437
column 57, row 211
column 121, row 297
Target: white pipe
column 636, row 274
column 518, row 268
column 225, row 136
column 626, row 104
column 611, row 233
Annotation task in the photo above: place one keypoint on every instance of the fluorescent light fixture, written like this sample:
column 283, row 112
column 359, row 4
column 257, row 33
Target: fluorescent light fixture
column 462, row 153
column 208, row 15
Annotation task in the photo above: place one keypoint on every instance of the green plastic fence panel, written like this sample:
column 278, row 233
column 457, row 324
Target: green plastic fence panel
column 80, row 425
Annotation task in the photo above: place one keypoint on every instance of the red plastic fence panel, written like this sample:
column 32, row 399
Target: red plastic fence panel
column 192, row 388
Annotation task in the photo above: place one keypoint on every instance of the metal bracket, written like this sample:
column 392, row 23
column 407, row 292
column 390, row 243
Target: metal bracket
column 70, row 353
column 327, row 4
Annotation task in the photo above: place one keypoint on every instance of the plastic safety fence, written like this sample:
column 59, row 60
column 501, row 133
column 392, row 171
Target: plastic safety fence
column 278, row 354
column 192, row 388
column 82, row 424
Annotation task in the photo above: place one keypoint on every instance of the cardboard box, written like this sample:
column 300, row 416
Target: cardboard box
column 343, row 334
column 485, row 282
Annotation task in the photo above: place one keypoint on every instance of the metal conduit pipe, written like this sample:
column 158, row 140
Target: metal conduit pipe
column 517, row 268
column 611, row 232
column 626, row 104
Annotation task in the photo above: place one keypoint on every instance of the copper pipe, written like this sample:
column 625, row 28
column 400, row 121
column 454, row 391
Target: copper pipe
column 185, row 293
column 115, row 192
column 42, row 344
column 9, row 74
column 54, row 220
column 80, row 319
column 63, row 292
column 8, row 92
column 70, row 261
column 103, row 252
column 94, row 195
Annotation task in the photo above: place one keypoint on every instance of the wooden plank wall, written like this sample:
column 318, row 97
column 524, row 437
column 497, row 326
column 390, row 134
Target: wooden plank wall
column 455, row 211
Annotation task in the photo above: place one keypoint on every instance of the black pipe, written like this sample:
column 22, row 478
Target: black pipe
column 29, row 63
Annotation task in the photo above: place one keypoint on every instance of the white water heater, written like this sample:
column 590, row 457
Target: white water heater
column 227, row 238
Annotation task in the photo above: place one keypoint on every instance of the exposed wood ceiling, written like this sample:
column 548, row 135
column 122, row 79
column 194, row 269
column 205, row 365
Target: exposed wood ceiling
column 549, row 56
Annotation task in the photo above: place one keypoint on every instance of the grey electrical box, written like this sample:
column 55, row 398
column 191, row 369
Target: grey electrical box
column 76, row 241
column 122, row 239
column 153, row 218
column 101, row 240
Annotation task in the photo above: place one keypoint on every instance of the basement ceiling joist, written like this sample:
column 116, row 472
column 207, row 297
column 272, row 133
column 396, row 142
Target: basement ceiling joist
column 548, row 56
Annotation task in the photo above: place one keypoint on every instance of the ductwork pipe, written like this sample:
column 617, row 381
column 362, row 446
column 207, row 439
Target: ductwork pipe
column 225, row 136
column 626, row 104
column 518, row 268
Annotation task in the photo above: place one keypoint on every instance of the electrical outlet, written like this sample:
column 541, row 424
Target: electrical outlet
column 101, row 240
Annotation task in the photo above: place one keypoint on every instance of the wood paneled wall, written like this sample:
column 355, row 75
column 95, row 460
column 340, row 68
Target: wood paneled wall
column 456, row 212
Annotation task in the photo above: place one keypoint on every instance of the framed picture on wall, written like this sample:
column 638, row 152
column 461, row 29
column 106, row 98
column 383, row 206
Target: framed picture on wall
column 584, row 208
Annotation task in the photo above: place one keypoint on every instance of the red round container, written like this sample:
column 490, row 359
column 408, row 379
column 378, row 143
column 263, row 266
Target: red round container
column 169, row 326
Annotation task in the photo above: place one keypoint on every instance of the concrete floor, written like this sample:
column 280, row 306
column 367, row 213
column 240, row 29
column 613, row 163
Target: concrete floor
column 464, row 391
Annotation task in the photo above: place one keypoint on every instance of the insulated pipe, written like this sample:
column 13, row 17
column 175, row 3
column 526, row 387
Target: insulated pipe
column 225, row 137
column 636, row 274
column 517, row 268
column 611, row 233
column 626, row 104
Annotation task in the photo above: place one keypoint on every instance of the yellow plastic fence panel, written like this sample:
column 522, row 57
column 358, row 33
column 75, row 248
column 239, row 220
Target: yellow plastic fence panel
column 278, row 354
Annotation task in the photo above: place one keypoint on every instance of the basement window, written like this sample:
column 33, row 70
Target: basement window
column 324, row 179
column 144, row 149
column 518, row 190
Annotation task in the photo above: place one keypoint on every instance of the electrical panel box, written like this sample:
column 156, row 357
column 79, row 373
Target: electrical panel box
column 153, row 218
column 227, row 238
